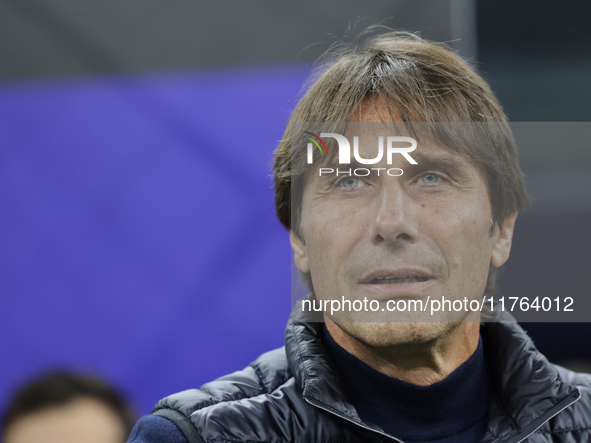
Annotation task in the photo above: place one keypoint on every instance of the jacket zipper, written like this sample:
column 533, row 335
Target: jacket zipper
column 536, row 424
column 324, row 408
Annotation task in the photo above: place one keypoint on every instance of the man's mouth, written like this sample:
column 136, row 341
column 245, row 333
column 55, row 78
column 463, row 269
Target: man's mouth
column 396, row 276
column 389, row 280
column 404, row 281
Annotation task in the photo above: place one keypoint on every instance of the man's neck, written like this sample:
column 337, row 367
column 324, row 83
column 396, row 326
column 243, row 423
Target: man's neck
column 420, row 364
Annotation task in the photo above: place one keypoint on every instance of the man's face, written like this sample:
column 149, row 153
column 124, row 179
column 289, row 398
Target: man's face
column 423, row 235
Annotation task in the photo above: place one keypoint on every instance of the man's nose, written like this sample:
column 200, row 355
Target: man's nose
column 395, row 216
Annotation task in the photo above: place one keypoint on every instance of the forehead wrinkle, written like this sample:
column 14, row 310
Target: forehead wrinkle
column 333, row 163
column 422, row 157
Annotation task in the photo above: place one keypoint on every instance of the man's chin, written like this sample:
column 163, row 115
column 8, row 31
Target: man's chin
column 384, row 316
column 396, row 333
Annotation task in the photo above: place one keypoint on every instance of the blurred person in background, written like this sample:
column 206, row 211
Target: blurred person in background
column 64, row 407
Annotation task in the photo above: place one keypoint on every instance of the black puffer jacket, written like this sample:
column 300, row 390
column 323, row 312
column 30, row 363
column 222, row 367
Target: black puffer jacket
column 293, row 395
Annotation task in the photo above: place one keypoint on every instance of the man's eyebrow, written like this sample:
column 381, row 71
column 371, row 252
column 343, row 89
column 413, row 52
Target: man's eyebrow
column 453, row 163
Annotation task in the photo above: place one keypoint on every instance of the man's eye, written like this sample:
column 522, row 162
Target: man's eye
column 430, row 179
column 351, row 182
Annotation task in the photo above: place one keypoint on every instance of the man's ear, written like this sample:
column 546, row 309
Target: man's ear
column 300, row 253
column 502, row 244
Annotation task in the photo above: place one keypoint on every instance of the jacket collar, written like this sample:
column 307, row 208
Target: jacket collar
column 528, row 389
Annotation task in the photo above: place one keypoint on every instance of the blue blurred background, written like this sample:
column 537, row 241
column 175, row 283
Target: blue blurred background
column 137, row 231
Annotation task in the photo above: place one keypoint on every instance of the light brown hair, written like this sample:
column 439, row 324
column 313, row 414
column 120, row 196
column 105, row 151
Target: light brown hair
column 419, row 81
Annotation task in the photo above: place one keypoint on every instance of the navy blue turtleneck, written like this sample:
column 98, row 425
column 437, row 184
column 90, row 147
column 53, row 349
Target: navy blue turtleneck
column 452, row 410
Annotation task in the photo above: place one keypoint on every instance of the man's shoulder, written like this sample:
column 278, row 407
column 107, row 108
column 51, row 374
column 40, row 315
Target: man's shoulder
column 266, row 374
column 580, row 379
column 262, row 402
column 581, row 411
column 574, row 420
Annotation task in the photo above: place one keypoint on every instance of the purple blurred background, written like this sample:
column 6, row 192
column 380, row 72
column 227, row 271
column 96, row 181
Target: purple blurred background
column 137, row 230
